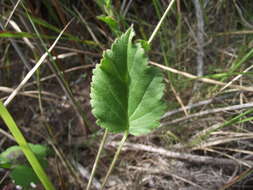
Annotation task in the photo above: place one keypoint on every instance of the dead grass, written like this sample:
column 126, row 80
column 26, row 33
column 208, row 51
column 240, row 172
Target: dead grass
column 46, row 114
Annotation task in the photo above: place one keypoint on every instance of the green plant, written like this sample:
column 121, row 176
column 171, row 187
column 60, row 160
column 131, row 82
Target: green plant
column 21, row 173
column 126, row 93
column 24, row 146
column 110, row 17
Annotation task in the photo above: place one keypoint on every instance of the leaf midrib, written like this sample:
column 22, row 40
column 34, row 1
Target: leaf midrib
column 139, row 103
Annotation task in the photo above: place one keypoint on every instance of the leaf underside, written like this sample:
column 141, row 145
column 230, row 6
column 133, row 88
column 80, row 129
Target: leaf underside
column 126, row 93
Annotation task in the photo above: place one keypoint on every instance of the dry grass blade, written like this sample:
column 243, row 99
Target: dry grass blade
column 181, row 156
column 159, row 172
column 241, row 162
column 10, row 90
column 206, row 112
column 12, row 12
column 31, row 72
column 219, row 141
column 35, row 94
column 88, row 28
column 160, row 22
column 66, row 71
column 4, row 133
column 17, row 28
column 237, row 178
column 236, row 78
column 197, row 104
column 180, row 101
column 205, row 80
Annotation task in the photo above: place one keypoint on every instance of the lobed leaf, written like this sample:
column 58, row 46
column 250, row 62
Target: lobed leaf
column 126, row 93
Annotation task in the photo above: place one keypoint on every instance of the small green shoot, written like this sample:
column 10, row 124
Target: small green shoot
column 109, row 17
column 112, row 23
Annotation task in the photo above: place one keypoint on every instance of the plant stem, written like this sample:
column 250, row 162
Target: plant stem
column 115, row 159
column 160, row 22
column 97, row 158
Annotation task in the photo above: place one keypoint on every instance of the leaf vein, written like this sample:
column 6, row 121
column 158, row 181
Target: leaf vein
column 139, row 103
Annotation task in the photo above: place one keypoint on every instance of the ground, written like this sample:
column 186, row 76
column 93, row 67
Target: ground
column 205, row 137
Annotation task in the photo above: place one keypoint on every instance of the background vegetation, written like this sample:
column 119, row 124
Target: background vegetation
column 205, row 137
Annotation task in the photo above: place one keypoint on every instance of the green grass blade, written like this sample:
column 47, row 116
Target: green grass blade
column 25, row 148
column 45, row 24
column 234, row 120
column 8, row 34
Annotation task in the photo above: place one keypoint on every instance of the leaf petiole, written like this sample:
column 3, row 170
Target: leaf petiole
column 123, row 140
column 97, row 159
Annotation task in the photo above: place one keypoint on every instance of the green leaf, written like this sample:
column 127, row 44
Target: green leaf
column 145, row 45
column 126, row 93
column 5, row 163
column 112, row 23
column 105, row 5
column 12, row 155
column 21, row 141
column 23, row 176
column 14, row 152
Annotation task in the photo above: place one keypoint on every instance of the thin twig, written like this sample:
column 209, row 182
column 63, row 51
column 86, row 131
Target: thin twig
column 206, row 112
column 200, row 38
column 127, row 7
column 12, row 12
column 88, row 28
column 85, row 173
column 160, row 22
column 181, row 156
column 206, row 80
column 65, row 71
column 244, row 21
column 179, row 99
column 236, row 78
column 197, row 104
column 164, row 171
